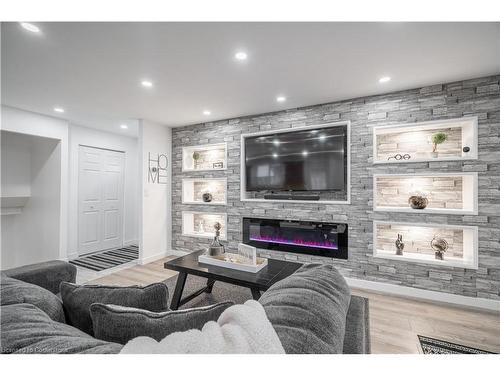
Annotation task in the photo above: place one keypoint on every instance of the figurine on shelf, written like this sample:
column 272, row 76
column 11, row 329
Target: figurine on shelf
column 216, row 248
column 439, row 245
column 400, row 245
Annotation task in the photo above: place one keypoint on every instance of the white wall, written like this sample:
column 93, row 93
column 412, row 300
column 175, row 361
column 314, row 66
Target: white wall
column 69, row 137
column 16, row 168
column 79, row 135
column 24, row 122
column 156, row 202
column 32, row 235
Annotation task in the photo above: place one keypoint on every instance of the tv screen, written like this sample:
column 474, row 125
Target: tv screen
column 304, row 160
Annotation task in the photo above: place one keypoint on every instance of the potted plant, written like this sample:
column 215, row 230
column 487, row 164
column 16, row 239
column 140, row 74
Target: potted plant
column 437, row 139
column 196, row 157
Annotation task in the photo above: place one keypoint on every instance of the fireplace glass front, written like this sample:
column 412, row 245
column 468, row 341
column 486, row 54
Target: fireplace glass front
column 305, row 237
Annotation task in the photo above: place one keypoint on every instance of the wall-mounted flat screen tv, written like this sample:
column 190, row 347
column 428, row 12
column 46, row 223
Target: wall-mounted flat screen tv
column 302, row 160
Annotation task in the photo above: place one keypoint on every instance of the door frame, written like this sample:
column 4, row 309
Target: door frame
column 122, row 193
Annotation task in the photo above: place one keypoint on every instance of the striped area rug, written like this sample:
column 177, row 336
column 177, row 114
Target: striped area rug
column 435, row 346
column 107, row 259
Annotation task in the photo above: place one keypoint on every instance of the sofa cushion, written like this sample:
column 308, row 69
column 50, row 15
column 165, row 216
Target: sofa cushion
column 122, row 324
column 78, row 298
column 48, row 275
column 14, row 291
column 308, row 309
column 27, row 329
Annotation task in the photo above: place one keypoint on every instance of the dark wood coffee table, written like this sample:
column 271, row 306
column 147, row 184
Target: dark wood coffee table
column 275, row 271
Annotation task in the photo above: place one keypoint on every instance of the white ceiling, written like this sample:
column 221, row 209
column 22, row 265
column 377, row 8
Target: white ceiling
column 93, row 70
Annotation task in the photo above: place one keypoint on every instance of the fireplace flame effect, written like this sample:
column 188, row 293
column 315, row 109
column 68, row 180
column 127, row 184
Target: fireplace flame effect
column 297, row 242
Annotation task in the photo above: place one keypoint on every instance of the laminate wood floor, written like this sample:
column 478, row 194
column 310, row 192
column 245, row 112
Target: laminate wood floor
column 394, row 321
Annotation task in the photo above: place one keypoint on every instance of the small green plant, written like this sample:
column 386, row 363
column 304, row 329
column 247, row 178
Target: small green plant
column 437, row 139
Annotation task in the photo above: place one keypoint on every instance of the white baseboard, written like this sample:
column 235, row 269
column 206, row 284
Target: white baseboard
column 160, row 255
column 71, row 256
column 405, row 291
column 130, row 242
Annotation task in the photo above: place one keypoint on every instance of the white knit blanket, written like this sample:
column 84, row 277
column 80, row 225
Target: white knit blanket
column 239, row 329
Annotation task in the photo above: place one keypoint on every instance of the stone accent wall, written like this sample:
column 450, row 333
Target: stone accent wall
column 477, row 97
column 418, row 144
column 442, row 192
column 417, row 240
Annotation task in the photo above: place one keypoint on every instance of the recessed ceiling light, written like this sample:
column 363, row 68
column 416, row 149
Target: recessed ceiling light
column 124, row 126
column 30, row 27
column 240, row 55
column 384, row 79
column 147, row 83
column 322, row 137
column 304, row 153
column 59, row 109
column 207, row 113
column 275, row 155
column 280, row 99
column 276, row 142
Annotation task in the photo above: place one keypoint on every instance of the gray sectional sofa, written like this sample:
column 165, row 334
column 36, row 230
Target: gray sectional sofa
column 310, row 312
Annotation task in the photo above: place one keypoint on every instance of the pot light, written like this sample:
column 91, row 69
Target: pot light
column 280, row 99
column 305, row 153
column 58, row 109
column 322, row 137
column 240, row 55
column 275, row 155
column 276, row 142
column 147, row 83
column 30, row 27
column 124, row 126
column 384, row 79
column 207, row 113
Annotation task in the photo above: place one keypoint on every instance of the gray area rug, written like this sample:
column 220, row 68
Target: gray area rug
column 220, row 292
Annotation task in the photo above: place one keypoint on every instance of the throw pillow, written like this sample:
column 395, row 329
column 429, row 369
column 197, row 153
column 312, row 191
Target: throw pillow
column 121, row 324
column 78, row 298
column 15, row 291
column 308, row 310
column 28, row 330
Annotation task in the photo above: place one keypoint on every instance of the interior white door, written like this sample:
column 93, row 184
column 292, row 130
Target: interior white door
column 100, row 199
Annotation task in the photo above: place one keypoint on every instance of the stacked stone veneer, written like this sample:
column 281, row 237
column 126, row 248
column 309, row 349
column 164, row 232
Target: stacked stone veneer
column 418, row 144
column 441, row 192
column 214, row 187
column 478, row 97
column 206, row 159
column 418, row 240
column 203, row 224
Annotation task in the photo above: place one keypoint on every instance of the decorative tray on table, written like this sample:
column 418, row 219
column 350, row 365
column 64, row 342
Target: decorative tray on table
column 234, row 261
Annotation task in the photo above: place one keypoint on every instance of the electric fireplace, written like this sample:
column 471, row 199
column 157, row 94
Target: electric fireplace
column 297, row 236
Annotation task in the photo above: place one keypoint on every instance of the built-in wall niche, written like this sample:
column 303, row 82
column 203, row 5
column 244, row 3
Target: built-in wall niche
column 204, row 157
column 201, row 224
column 408, row 143
column 421, row 241
column 210, row 191
column 440, row 193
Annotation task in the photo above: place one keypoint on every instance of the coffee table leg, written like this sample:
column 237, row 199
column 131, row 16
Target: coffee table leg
column 210, row 285
column 255, row 293
column 179, row 287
